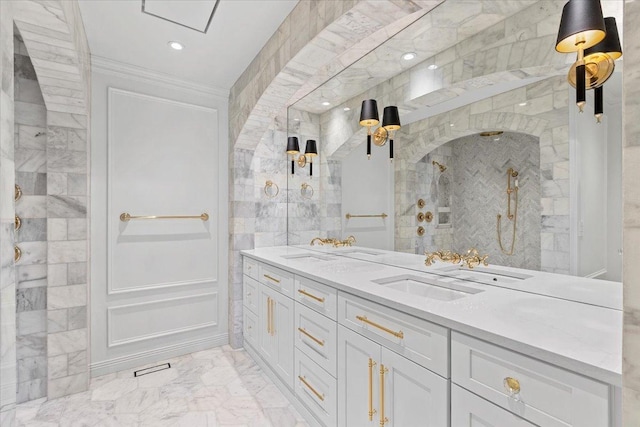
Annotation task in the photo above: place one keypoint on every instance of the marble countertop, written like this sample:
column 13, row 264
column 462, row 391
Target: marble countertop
column 580, row 337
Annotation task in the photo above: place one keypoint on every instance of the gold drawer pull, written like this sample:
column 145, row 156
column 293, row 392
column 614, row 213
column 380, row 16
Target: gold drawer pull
column 304, row 381
column 271, row 278
column 18, row 193
column 371, row 410
column 512, row 385
column 383, row 419
column 320, row 342
column 17, row 254
column 307, row 294
column 17, row 223
column 398, row 334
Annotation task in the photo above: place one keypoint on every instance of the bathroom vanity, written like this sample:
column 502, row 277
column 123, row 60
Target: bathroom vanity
column 353, row 341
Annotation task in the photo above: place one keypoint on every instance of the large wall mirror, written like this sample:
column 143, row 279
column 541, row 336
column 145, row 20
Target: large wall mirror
column 492, row 152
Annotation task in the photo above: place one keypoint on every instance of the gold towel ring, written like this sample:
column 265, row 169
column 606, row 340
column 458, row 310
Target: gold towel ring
column 270, row 184
column 304, row 189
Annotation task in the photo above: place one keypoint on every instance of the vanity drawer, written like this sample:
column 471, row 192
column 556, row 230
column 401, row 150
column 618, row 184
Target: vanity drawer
column 276, row 278
column 250, row 328
column 549, row 396
column 319, row 297
column 469, row 410
column 251, row 295
column 416, row 339
column 316, row 389
column 250, row 268
column 316, row 337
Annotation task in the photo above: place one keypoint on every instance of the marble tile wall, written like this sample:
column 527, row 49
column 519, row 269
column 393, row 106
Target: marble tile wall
column 317, row 40
column 544, row 116
column 8, row 371
column 54, row 36
column 30, row 140
column 479, row 178
column 631, row 232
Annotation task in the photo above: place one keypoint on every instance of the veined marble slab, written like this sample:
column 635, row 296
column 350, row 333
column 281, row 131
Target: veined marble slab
column 575, row 336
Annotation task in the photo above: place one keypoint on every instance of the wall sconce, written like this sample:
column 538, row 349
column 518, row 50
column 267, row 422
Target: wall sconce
column 390, row 123
column 311, row 151
column 581, row 27
column 600, row 63
column 369, row 117
column 293, row 148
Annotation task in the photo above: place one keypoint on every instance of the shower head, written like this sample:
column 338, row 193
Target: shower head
column 440, row 166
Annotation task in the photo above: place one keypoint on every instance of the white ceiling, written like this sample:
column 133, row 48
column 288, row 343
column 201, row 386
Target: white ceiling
column 118, row 30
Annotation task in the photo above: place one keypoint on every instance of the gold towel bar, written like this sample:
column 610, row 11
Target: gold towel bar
column 383, row 215
column 124, row 217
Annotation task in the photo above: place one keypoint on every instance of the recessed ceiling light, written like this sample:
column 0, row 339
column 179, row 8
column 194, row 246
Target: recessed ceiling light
column 347, row 109
column 522, row 104
column 297, row 120
column 451, row 125
column 326, row 103
column 432, row 67
column 409, row 56
column 176, row 45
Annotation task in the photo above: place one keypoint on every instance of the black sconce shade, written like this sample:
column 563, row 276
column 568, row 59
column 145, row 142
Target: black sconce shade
column 369, row 113
column 581, row 21
column 391, row 118
column 292, row 145
column 312, row 148
column 611, row 43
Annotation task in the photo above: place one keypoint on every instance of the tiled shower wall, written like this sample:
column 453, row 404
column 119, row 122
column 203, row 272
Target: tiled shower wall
column 30, row 139
column 479, row 194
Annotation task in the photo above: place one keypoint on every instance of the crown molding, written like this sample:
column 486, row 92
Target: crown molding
column 121, row 69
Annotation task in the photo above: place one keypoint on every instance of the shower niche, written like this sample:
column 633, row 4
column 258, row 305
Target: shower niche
column 443, row 201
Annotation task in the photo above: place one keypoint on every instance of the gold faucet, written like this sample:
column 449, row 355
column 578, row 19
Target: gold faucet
column 471, row 259
column 334, row 242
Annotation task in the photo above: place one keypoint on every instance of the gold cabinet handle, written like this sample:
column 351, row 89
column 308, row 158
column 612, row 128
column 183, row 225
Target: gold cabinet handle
column 17, row 224
column 371, row 410
column 272, row 278
column 398, row 334
column 307, row 294
column 269, row 315
column 303, row 331
column 273, row 329
column 383, row 419
column 512, row 385
column 304, row 381
column 18, row 193
column 17, row 254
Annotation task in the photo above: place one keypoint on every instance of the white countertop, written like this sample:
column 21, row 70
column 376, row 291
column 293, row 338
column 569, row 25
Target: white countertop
column 581, row 337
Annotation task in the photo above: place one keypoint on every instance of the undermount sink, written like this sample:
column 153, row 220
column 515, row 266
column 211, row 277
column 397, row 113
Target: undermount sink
column 427, row 288
column 309, row 257
column 489, row 276
column 359, row 252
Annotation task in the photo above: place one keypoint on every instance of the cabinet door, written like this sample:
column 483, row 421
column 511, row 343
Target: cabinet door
column 358, row 379
column 282, row 321
column 412, row 395
column 469, row 410
column 265, row 337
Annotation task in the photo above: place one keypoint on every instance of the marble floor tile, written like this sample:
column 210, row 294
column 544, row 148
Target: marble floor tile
column 219, row 387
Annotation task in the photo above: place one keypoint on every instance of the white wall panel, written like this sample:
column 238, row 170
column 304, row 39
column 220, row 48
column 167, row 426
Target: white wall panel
column 148, row 320
column 162, row 161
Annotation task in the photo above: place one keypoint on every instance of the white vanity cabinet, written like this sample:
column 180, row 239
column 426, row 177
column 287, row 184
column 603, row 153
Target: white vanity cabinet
column 537, row 392
column 276, row 336
column 344, row 360
column 377, row 385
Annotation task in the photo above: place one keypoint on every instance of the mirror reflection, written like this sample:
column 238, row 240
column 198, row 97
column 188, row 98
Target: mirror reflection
column 490, row 152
